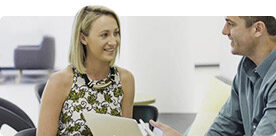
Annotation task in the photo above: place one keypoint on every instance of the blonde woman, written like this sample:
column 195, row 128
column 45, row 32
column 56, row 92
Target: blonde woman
column 91, row 82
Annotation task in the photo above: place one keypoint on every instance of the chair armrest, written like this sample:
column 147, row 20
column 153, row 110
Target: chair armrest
column 27, row 132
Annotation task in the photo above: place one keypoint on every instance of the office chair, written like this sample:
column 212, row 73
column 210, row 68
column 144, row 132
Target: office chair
column 40, row 56
column 39, row 88
column 145, row 112
column 27, row 132
column 13, row 116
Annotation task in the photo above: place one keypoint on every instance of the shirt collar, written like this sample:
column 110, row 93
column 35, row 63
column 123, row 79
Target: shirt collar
column 251, row 69
column 263, row 68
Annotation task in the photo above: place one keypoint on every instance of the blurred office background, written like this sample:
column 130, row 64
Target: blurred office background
column 171, row 58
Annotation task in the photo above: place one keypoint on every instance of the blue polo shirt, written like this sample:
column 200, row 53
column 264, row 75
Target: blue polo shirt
column 251, row 108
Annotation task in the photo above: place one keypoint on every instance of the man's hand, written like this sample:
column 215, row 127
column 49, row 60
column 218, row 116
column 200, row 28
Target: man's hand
column 167, row 130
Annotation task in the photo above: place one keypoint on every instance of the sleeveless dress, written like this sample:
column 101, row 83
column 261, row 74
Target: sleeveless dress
column 82, row 97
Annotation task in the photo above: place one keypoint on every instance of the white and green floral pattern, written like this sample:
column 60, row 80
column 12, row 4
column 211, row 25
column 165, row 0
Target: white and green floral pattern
column 81, row 98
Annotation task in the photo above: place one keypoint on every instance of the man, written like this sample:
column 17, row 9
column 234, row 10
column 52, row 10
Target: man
column 251, row 108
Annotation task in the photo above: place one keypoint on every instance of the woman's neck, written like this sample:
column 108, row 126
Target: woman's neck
column 97, row 70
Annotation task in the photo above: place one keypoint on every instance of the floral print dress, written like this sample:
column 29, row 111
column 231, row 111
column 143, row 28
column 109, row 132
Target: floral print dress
column 82, row 97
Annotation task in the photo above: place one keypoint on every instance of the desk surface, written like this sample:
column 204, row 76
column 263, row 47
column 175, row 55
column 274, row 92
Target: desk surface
column 143, row 99
column 7, row 68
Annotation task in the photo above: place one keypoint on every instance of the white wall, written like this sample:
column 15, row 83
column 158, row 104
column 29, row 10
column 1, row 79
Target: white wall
column 156, row 51
column 228, row 61
column 204, row 35
column 159, row 51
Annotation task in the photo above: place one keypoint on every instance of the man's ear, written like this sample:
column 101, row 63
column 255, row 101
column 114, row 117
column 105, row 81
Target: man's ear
column 259, row 28
column 83, row 39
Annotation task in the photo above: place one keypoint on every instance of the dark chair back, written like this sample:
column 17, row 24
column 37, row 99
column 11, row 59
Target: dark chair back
column 145, row 112
column 13, row 116
column 39, row 88
column 9, row 108
column 48, row 47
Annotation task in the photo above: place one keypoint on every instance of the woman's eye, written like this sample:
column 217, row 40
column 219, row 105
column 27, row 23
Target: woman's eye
column 230, row 24
column 104, row 35
column 116, row 33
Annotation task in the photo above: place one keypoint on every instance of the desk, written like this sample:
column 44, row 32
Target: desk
column 9, row 69
column 35, row 74
column 143, row 99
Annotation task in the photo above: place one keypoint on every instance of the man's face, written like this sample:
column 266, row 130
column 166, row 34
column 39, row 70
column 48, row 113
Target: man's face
column 242, row 40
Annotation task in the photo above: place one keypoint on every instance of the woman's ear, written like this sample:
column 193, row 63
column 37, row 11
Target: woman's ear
column 83, row 39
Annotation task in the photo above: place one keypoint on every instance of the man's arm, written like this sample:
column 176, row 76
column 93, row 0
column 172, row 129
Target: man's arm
column 267, row 125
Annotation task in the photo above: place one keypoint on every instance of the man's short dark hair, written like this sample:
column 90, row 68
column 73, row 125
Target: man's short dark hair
column 269, row 21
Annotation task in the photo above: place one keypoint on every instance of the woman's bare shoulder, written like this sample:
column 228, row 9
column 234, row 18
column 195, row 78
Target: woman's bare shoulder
column 59, row 83
column 125, row 74
column 62, row 77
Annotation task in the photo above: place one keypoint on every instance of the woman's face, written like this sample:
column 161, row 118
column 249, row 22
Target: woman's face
column 103, row 39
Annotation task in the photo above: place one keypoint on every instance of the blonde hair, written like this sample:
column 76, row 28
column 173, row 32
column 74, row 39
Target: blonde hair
column 82, row 24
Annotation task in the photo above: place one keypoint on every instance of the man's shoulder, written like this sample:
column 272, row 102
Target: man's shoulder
column 271, row 73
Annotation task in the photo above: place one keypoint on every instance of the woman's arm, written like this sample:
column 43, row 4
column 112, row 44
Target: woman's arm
column 55, row 92
column 127, row 81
